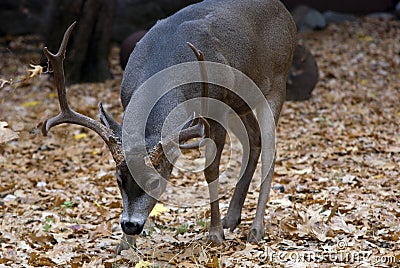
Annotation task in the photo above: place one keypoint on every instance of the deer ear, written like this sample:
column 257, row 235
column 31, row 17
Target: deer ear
column 110, row 122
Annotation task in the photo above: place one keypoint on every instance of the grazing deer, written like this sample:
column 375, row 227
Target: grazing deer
column 255, row 37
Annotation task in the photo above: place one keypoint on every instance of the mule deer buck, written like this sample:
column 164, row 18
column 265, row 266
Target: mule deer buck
column 256, row 37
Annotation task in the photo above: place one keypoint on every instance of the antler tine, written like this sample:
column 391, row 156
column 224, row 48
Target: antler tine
column 202, row 124
column 193, row 132
column 204, row 76
column 200, row 129
column 198, row 53
column 68, row 115
column 56, row 61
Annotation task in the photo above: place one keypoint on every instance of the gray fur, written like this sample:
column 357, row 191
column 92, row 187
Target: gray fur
column 257, row 37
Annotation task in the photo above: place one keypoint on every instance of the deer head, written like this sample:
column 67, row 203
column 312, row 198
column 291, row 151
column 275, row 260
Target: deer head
column 139, row 195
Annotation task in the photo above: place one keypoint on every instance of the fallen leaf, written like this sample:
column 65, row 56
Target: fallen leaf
column 301, row 172
column 80, row 136
column 142, row 264
column 35, row 71
column 52, row 95
column 4, row 82
column 6, row 134
column 30, row 104
column 213, row 262
column 158, row 210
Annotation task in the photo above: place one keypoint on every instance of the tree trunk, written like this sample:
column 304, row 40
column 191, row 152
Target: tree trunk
column 88, row 50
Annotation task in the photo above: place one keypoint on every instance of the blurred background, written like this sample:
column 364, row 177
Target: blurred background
column 104, row 22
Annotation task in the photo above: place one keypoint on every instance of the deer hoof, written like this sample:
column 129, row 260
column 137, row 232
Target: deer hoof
column 216, row 237
column 230, row 222
column 120, row 247
column 256, row 234
column 127, row 242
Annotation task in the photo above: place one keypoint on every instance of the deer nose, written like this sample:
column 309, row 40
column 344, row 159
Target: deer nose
column 131, row 227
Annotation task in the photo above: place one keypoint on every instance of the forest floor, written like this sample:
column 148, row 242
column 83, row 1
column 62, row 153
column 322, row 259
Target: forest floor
column 336, row 197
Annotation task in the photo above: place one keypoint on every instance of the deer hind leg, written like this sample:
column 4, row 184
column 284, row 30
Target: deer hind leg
column 267, row 115
column 251, row 143
column 211, row 173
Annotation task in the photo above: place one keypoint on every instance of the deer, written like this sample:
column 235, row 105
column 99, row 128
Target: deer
column 255, row 37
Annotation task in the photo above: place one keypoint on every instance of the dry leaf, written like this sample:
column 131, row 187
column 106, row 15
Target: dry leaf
column 80, row 136
column 4, row 82
column 6, row 134
column 30, row 104
column 142, row 264
column 158, row 210
column 35, row 71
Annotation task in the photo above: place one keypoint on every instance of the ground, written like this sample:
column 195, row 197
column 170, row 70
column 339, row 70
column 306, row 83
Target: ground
column 336, row 197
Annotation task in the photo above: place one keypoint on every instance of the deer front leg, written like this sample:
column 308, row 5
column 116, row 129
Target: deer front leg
column 127, row 242
column 211, row 173
column 251, row 143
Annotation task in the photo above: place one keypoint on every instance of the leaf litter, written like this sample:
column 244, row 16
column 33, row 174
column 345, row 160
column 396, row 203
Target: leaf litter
column 335, row 190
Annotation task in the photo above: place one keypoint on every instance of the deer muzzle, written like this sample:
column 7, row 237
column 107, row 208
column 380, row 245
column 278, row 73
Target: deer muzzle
column 132, row 226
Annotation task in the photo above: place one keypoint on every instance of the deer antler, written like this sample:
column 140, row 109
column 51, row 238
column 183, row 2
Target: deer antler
column 68, row 115
column 204, row 77
column 200, row 126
